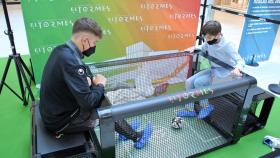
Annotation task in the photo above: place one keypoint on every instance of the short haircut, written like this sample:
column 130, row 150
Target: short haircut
column 86, row 24
column 212, row 27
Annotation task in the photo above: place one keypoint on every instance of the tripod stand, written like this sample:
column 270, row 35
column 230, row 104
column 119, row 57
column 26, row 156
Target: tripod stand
column 21, row 67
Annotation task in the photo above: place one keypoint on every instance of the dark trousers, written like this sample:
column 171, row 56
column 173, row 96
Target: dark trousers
column 87, row 121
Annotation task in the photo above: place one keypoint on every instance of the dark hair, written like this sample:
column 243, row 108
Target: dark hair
column 211, row 27
column 87, row 25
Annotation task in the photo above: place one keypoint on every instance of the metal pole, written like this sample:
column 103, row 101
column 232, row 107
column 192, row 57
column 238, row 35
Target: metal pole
column 202, row 20
column 9, row 31
column 19, row 64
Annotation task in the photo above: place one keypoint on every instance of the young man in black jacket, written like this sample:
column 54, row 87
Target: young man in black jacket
column 69, row 97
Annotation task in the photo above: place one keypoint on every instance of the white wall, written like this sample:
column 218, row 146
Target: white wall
column 17, row 25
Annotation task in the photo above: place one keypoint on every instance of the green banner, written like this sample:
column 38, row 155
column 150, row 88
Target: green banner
column 131, row 28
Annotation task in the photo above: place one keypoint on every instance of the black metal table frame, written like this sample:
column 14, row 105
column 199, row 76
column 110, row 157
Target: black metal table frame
column 259, row 94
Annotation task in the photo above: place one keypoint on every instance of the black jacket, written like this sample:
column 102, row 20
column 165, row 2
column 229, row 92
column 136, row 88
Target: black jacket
column 64, row 87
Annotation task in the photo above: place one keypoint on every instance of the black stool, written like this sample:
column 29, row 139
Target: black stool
column 46, row 145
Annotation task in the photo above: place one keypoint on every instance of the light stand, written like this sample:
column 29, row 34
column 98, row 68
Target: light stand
column 21, row 67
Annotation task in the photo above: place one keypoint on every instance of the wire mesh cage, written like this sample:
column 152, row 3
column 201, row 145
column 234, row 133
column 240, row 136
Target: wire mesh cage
column 137, row 79
column 193, row 137
column 151, row 90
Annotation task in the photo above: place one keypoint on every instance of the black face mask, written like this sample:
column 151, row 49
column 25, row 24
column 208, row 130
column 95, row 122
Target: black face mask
column 212, row 41
column 89, row 51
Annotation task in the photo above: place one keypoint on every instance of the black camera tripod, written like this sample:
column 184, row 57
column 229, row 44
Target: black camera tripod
column 21, row 67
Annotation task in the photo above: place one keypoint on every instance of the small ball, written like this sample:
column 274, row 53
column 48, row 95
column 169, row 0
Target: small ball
column 177, row 122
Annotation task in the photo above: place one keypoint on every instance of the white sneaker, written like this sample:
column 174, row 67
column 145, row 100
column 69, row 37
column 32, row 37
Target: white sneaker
column 272, row 142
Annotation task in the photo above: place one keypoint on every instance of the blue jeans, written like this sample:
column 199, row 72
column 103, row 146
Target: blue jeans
column 199, row 80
